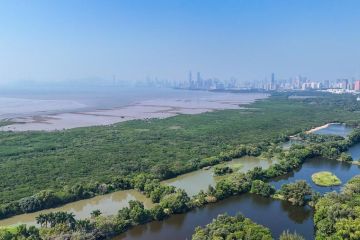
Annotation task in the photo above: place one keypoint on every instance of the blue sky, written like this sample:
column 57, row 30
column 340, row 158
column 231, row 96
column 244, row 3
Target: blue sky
column 246, row 39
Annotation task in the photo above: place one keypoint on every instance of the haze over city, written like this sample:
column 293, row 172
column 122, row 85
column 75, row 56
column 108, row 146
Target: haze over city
column 54, row 41
column 179, row 119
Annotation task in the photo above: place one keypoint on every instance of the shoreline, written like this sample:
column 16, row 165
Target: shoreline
column 143, row 110
column 319, row 128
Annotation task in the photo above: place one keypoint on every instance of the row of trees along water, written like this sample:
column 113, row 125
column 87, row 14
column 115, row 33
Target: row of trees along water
column 50, row 198
column 330, row 147
column 96, row 156
column 173, row 201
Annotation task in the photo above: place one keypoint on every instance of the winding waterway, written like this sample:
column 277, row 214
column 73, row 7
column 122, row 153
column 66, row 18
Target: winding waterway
column 275, row 214
column 109, row 204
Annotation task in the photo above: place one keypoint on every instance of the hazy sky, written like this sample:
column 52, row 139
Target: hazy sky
column 70, row 39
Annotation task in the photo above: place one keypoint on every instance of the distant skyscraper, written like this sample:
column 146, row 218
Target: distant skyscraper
column 198, row 77
column 190, row 77
column 272, row 84
column 357, row 85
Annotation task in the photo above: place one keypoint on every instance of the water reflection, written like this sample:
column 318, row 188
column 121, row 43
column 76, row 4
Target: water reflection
column 203, row 178
column 335, row 129
column 344, row 171
column 300, row 215
column 108, row 204
column 354, row 152
column 275, row 214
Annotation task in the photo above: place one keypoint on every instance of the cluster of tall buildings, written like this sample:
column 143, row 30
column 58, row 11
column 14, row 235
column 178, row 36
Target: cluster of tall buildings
column 198, row 82
column 303, row 83
column 347, row 84
column 272, row 83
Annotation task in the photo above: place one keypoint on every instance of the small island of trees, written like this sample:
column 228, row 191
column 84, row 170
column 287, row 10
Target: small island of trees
column 226, row 227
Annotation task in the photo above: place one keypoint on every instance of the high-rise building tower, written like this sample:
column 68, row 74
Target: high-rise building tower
column 357, row 85
column 190, row 77
column 272, row 83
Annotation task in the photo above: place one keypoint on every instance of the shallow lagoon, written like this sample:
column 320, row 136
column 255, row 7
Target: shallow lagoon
column 335, row 129
column 198, row 180
column 108, row 204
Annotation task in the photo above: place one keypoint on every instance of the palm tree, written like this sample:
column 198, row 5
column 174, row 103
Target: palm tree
column 40, row 219
column 70, row 219
column 84, row 225
column 51, row 219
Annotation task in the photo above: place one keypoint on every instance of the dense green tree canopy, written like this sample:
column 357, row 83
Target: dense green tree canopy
column 236, row 228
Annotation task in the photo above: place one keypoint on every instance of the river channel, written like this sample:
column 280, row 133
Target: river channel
column 109, row 204
column 275, row 214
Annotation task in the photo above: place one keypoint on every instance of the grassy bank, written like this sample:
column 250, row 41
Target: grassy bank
column 325, row 179
column 33, row 161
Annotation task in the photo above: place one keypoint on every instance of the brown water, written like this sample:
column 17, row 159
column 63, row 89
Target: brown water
column 108, row 204
column 198, row 180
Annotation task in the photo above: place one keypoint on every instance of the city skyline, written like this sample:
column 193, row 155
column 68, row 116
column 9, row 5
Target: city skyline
column 247, row 40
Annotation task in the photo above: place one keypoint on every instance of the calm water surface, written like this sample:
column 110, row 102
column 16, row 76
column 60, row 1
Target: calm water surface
column 108, row 204
column 344, row 171
column 335, row 129
column 274, row 214
column 354, row 152
column 195, row 181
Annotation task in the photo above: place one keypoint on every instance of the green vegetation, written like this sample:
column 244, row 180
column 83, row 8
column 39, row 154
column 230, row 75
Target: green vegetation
column 262, row 188
column 337, row 215
column 345, row 157
column 5, row 122
column 290, row 236
column 20, row 232
column 172, row 201
column 297, row 193
column 236, row 166
column 41, row 170
column 222, row 170
column 227, row 227
column 326, row 179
